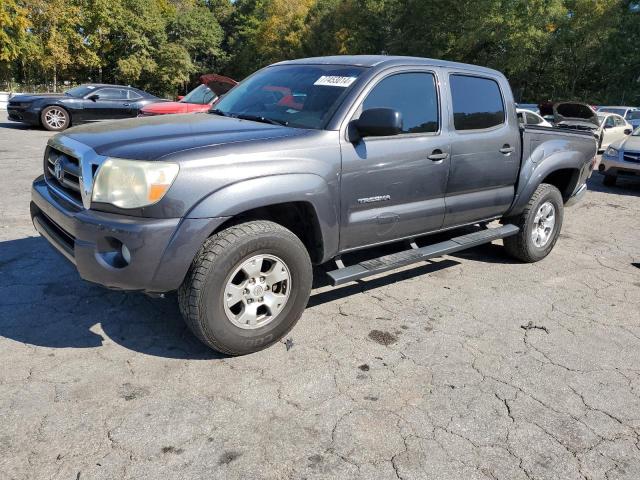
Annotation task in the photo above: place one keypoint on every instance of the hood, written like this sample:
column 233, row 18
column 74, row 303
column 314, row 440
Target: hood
column 151, row 138
column 163, row 108
column 217, row 83
column 630, row 143
column 570, row 112
column 30, row 97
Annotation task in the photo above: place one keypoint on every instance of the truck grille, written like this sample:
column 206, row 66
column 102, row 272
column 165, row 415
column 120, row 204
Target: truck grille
column 62, row 172
column 631, row 157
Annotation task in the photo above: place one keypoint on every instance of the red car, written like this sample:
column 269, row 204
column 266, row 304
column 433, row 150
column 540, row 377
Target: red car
column 199, row 99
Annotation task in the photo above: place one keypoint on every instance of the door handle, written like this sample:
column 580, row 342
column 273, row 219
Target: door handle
column 438, row 155
column 126, row 104
column 507, row 149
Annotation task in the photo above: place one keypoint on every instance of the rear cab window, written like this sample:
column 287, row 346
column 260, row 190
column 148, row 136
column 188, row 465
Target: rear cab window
column 477, row 102
column 413, row 94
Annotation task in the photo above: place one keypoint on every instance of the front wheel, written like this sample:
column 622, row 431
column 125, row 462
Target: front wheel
column 540, row 223
column 55, row 118
column 247, row 287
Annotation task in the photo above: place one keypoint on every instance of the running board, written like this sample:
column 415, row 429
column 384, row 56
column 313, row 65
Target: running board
column 407, row 257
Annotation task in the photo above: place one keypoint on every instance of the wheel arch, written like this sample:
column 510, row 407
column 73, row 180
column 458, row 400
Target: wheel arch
column 563, row 170
column 303, row 203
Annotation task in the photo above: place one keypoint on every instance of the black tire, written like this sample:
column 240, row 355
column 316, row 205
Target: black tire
column 201, row 296
column 62, row 118
column 609, row 180
column 522, row 246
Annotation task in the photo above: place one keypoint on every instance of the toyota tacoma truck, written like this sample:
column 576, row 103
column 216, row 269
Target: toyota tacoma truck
column 233, row 208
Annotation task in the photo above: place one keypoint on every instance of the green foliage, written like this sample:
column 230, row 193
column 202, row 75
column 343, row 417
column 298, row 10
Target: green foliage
column 549, row 49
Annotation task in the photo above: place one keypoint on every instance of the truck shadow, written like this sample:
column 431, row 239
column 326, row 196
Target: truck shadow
column 43, row 302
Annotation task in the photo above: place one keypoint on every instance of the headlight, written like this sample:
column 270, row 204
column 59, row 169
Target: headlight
column 133, row 183
column 611, row 152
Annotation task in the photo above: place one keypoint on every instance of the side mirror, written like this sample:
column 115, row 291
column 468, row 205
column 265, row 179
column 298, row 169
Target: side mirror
column 377, row 122
column 93, row 97
column 180, row 97
column 628, row 131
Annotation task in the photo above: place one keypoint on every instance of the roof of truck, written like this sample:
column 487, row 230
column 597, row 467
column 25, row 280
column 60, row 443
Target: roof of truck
column 384, row 61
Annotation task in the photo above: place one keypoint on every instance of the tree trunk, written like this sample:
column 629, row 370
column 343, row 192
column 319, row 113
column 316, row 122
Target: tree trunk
column 55, row 78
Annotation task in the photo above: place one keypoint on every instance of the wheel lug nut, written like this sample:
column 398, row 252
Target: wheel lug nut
column 249, row 300
column 246, row 291
column 260, row 299
column 262, row 279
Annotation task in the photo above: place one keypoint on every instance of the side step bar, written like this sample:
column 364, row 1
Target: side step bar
column 407, row 257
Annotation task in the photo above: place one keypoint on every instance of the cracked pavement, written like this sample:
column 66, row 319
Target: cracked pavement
column 470, row 366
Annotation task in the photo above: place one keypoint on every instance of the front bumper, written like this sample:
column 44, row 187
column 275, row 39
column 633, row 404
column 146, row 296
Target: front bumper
column 615, row 167
column 23, row 115
column 160, row 250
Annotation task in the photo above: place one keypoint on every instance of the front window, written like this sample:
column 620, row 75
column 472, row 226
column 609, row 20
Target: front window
column 80, row 91
column 413, row 95
column 200, row 95
column 304, row 96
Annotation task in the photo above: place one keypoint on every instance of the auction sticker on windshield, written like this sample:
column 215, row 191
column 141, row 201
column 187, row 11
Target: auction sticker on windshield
column 335, row 81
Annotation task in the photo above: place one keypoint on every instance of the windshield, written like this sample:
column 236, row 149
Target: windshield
column 80, row 91
column 636, row 132
column 304, row 96
column 619, row 111
column 200, row 95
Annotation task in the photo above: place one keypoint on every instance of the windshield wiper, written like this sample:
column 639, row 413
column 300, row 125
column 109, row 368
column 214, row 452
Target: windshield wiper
column 259, row 118
column 217, row 111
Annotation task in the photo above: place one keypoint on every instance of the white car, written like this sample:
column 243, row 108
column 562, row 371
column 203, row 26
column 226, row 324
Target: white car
column 527, row 117
column 613, row 127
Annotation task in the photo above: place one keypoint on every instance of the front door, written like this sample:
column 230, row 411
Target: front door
column 393, row 187
column 111, row 103
column 485, row 149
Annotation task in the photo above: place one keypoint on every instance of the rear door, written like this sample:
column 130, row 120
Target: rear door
column 485, row 148
column 393, row 187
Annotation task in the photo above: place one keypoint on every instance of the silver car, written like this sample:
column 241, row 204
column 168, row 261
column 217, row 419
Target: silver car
column 621, row 158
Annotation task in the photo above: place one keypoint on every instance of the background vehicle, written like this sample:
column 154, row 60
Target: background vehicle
column 624, row 112
column 532, row 107
column 232, row 208
column 199, row 99
column 80, row 104
column 621, row 158
column 633, row 117
column 612, row 128
column 528, row 117
column 606, row 127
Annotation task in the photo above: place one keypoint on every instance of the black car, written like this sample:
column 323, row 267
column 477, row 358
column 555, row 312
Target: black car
column 77, row 105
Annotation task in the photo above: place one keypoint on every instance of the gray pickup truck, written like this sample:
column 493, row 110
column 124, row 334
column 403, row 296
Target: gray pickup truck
column 302, row 163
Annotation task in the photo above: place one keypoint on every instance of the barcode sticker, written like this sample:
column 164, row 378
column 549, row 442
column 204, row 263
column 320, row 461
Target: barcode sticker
column 335, row 81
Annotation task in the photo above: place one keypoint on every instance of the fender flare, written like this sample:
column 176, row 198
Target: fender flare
column 536, row 169
column 240, row 197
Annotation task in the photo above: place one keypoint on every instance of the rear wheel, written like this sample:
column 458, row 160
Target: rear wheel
column 609, row 180
column 247, row 287
column 55, row 118
column 540, row 223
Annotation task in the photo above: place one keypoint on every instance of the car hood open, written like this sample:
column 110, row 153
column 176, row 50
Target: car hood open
column 152, row 138
column 570, row 112
column 218, row 83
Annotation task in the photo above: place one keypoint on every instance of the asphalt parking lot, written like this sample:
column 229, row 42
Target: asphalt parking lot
column 472, row 366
